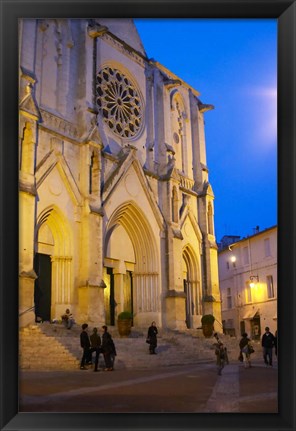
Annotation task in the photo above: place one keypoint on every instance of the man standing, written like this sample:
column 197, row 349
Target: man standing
column 95, row 341
column 267, row 344
column 108, row 349
column 85, row 344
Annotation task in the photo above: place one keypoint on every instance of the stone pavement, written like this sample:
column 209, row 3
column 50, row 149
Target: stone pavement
column 191, row 388
column 241, row 390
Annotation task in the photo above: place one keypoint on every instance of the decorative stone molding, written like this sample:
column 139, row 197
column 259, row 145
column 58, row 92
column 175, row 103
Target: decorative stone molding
column 28, row 106
column 28, row 274
column 27, row 188
column 175, row 294
column 59, row 125
column 96, row 30
column 177, row 234
column 123, row 48
column 186, row 183
column 172, row 83
column 204, row 108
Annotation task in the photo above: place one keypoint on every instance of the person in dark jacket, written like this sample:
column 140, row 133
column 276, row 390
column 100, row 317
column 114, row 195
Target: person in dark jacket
column 108, row 349
column 85, row 344
column 152, row 336
column 244, row 348
column 221, row 356
column 275, row 343
column 95, row 346
column 267, row 344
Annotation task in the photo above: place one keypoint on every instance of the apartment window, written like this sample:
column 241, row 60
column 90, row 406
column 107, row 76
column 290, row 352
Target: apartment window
column 229, row 298
column 248, row 292
column 267, row 247
column 227, row 265
column 270, row 288
column 230, row 323
column 246, row 255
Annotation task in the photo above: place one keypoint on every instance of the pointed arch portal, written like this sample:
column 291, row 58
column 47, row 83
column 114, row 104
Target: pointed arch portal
column 134, row 280
column 191, row 283
column 52, row 264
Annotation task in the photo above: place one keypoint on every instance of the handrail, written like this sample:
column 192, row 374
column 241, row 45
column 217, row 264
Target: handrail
column 27, row 311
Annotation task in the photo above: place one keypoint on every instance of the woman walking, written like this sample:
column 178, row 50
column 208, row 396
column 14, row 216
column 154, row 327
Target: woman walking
column 152, row 337
column 244, row 347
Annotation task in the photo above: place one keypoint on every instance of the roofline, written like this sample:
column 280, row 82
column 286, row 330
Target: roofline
column 167, row 71
column 149, row 61
column 226, row 248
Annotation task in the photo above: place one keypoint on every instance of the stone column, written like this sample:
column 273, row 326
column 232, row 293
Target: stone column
column 27, row 202
column 175, row 296
column 118, row 292
column 150, row 141
column 62, row 280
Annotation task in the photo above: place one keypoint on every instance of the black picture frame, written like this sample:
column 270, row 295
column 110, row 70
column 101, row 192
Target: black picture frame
column 285, row 12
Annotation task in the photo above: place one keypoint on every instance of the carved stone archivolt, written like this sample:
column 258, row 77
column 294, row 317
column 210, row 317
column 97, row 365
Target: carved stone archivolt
column 119, row 103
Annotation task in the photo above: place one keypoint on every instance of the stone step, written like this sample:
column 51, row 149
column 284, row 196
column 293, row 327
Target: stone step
column 52, row 346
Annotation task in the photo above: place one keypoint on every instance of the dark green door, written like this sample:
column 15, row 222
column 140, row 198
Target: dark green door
column 42, row 291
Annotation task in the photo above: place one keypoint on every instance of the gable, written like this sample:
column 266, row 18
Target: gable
column 190, row 229
column 54, row 174
column 124, row 29
column 129, row 183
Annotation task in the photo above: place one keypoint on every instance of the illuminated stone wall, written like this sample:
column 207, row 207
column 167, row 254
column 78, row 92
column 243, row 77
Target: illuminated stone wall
column 114, row 185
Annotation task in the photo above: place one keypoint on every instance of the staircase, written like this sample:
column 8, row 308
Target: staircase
column 50, row 346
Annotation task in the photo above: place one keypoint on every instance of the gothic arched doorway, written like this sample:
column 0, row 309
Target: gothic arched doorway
column 52, row 264
column 191, row 283
column 131, row 266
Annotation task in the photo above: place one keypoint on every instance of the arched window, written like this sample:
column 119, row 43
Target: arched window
column 210, row 219
column 27, row 155
column 94, row 174
column 175, row 212
column 178, row 130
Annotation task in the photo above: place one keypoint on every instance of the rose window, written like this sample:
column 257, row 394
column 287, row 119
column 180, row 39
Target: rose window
column 119, row 102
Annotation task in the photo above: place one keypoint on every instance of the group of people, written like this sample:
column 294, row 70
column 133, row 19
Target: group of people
column 268, row 342
column 95, row 344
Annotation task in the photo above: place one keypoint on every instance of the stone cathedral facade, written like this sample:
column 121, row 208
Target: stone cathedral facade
column 116, row 208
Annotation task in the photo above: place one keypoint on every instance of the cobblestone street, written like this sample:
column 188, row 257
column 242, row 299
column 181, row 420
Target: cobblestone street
column 189, row 389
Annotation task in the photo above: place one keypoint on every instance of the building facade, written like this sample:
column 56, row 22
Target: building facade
column 116, row 208
column 248, row 284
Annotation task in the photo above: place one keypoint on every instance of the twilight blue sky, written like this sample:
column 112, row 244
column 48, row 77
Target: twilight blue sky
column 232, row 63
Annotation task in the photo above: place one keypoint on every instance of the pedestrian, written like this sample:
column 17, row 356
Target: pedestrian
column 152, row 338
column 108, row 349
column 85, row 344
column 275, row 343
column 68, row 319
column 226, row 360
column 244, row 348
column 221, row 356
column 267, row 343
column 95, row 346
